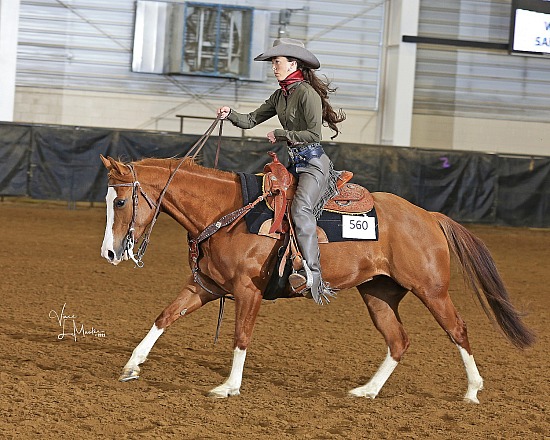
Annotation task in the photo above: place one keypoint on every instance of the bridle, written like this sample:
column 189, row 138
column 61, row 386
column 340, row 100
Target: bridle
column 129, row 240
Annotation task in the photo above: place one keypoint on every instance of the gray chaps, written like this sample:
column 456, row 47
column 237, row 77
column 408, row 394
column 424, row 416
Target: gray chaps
column 312, row 184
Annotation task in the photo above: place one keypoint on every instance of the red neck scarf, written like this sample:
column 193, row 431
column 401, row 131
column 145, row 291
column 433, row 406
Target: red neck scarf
column 294, row 77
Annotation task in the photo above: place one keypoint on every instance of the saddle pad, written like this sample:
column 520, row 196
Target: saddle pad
column 330, row 222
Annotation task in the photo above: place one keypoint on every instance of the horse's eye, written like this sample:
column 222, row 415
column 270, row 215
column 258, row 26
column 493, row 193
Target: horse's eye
column 119, row 203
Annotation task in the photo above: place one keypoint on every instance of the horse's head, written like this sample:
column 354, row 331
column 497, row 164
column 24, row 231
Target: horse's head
column 129, row 211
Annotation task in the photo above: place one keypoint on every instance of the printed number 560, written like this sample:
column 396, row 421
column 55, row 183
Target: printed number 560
column 359, row 224
column 359, row 227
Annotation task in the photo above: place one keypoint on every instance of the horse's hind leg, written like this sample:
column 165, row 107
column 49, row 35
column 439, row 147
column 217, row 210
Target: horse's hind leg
column 382, row 296
column 190, row 299
column 445, row 313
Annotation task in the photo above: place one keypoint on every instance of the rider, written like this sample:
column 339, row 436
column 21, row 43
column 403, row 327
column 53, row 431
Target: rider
column 301, row 104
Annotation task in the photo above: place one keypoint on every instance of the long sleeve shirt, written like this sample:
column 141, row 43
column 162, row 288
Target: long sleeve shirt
column 300, row 114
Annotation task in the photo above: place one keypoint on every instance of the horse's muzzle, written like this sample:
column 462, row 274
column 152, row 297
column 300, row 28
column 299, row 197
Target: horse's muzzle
column 114, row 257
column 110, row 256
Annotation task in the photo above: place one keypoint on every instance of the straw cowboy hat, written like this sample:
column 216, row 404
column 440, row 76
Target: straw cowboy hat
column 288, row 47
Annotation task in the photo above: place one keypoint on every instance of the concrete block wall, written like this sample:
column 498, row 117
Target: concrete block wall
column 140, row 111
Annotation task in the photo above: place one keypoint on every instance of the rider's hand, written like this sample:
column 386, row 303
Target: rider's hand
column 223, row 112
column 271, row 137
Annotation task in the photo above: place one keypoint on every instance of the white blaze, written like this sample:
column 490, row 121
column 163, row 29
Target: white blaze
column 108, row 241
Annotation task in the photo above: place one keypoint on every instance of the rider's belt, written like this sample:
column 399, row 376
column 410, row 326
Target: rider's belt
column 302, row 154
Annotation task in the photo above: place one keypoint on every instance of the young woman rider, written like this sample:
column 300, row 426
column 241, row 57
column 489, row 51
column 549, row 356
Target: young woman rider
column 301, row 104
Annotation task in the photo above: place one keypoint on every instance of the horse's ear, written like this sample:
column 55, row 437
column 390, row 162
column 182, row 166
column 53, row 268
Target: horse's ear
column 105, row 162
column 113, row 164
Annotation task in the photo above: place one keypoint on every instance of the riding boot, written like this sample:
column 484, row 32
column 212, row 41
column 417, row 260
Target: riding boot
column 311, row 184
column 318, row 289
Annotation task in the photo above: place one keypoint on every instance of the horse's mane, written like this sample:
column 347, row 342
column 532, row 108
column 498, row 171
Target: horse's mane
column 171, row 163
column 188, row 163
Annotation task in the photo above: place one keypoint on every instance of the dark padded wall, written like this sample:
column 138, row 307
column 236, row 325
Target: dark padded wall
column 62, row 163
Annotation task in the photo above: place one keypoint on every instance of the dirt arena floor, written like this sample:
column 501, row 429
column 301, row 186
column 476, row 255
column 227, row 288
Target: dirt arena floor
column 302, row 362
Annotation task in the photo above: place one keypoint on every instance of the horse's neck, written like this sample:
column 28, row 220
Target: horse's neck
column 199, row 196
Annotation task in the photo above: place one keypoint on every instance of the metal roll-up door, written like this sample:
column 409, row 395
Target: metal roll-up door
column 87, row 45
column 472, row 82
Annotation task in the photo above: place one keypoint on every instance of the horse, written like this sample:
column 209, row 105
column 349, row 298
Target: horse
column 412, row 254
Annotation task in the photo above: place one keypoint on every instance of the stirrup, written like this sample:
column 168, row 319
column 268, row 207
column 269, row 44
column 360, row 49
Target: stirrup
column 301, row 283
column 298, row 283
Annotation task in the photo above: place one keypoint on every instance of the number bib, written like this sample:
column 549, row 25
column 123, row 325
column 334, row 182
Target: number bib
column 359, row 226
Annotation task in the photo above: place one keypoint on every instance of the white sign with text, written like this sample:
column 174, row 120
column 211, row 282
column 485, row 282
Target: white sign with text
column 359, row 226
column 532, row 31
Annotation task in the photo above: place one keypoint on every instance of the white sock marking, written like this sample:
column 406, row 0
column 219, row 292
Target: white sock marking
column 475, row 381
column 232, row 386
column 373, row 387
column 140, row 353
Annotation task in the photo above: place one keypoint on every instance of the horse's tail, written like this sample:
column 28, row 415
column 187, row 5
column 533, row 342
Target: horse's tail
column 479, row 270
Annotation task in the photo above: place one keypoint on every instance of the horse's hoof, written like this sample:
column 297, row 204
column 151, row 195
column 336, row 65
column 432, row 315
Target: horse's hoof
column 223, row 393
column 358, row 392
column 128, row 374
column 471, row 400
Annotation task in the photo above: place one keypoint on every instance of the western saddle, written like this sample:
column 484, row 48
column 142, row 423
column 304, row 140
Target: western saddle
column 281, row 186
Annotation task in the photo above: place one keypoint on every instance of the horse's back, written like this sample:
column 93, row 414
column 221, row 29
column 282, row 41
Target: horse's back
column 396, row 213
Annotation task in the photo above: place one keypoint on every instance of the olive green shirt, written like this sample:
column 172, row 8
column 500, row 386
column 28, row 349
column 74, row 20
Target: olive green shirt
column 300, row 113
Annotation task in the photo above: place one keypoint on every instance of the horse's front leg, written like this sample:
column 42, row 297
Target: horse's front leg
column 246, row 311
column 191, row 298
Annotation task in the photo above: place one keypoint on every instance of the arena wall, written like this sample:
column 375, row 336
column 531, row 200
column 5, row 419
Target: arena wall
column 62, row 163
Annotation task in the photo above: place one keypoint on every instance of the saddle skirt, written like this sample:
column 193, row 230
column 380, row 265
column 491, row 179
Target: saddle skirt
column 281, row 186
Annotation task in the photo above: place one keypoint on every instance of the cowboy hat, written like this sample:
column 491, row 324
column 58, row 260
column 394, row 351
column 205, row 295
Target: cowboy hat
column 288, row 47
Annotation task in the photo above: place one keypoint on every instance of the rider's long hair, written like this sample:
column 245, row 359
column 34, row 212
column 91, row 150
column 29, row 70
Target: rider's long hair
column 323, row 88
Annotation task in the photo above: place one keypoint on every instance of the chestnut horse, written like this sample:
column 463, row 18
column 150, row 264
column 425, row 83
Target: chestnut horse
column 411, row 254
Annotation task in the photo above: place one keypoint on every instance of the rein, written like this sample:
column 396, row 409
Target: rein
column 130, row 238
column 194, row 243
column 198, row 146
